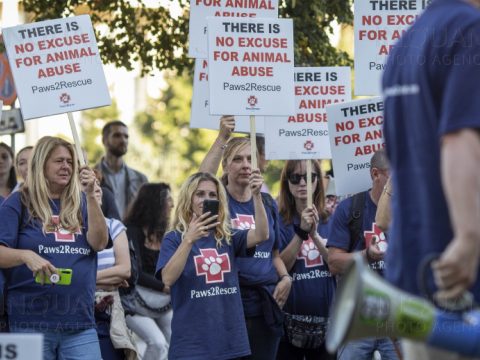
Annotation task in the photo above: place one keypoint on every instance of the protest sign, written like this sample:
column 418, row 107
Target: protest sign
column 200, row 114
column 305, row 135
column 201, row 9
column 378, row 24
column 56, row 66
column 356, row 132
column 251, row 66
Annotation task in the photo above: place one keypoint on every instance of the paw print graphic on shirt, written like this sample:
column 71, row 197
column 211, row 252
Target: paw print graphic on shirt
column 310, row 254
column 243, row 222
column 212, row 265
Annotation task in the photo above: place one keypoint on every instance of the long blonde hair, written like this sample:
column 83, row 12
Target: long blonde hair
column 184, row 209
column 36, row 192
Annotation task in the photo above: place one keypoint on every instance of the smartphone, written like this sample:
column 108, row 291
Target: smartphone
column 210, row 205
column 64, row 277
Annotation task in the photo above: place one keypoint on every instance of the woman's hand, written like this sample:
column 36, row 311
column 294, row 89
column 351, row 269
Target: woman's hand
column 87, row 180
column 282, row 290
column 227, row 126
column 38, row 265
column 256, row 181
column 199, row 227
column 309, row 220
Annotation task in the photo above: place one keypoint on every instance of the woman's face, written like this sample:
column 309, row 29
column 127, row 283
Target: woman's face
column 240, row 166
column 58, row 169
column 206, row 190
column 6, row 161
column 170, row 203
column 22, row 163
column 297, row 181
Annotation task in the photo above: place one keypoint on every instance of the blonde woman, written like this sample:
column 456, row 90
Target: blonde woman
column 198, row 261
column 51, row 230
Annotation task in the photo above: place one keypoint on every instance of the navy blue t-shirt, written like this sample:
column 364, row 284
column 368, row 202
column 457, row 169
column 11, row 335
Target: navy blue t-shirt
column 339, row 233
column 431, row 89
column 48, row 307
column 257, row 270
column 208, row 320
column 313, row 285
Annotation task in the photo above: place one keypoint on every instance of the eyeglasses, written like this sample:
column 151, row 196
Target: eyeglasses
column 296, row 178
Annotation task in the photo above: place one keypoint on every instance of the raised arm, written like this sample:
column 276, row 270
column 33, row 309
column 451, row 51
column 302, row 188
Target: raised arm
column 97, row 235
column 260, row 233
column 212, row 160
column 457, row 268
column 198, row 228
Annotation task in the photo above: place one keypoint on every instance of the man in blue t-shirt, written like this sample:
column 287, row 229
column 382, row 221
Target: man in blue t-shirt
column 370, row 241
column 432, row 121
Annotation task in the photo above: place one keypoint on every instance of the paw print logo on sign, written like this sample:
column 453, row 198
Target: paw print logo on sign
column 212, row 265
column 310, row 254
column 252, row 100
column 65, row 98
column 243, row 222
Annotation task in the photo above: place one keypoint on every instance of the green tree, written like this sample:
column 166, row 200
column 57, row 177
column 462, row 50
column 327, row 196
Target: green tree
column 156, row 39
column 91, row 130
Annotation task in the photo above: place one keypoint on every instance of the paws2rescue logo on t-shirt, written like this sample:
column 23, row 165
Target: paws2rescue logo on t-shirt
column 61, row 234
column 212, row 265
column 377, row 237
column 310, row 254
column 243, row 222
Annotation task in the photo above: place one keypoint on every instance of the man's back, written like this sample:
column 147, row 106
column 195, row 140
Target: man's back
column 429, row 91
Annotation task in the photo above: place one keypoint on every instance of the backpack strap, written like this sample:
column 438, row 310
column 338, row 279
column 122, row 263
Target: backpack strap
column 268, row 203
column 355, row 220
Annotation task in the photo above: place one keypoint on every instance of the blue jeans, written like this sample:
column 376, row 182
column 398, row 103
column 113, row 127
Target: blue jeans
column 68, row 345
column 363, row 349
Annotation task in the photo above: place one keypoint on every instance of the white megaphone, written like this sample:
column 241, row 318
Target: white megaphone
column 367, row 306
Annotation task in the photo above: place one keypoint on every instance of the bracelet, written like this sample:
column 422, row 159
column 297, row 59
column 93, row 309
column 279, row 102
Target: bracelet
column 285, row 275
column 302, row 234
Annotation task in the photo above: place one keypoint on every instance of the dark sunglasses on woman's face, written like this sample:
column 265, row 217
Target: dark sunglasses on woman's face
column 296, row 178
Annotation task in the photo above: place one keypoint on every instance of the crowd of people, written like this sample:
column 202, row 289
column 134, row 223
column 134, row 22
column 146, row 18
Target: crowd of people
column 93, row 259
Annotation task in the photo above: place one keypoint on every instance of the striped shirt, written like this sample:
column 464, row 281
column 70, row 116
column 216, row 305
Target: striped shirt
column 106, row 258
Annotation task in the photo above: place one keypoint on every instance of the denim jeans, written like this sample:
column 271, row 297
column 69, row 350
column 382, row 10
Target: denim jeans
column 68, row 345
column 363, row 349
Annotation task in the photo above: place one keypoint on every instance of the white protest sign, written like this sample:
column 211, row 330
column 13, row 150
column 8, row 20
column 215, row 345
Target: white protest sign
column 305, row 135
column 56, row 66
column 21, row 346
column 356, row 132
column 201, row 9
column 200, row 113
column 251, row 66
column 378, row 24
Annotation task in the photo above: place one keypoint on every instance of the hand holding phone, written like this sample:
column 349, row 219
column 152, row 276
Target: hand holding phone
column 63, row 277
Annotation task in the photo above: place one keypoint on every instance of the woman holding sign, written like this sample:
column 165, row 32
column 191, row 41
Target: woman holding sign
column 199, row 262
column 304, row 231
column 52, row 230
column 264, row 280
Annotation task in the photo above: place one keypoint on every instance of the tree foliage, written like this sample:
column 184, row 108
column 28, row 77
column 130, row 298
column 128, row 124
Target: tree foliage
column 130, row 32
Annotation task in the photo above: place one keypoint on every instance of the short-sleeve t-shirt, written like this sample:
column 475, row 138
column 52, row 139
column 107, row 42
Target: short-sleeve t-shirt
column 257, row 269
column 208, row 320
column 34, row 306
column 339, row 233
column 431, row 89
column 106, row 257
column 313, row 285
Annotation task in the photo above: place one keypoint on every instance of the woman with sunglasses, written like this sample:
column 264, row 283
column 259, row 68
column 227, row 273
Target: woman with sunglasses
column 303, row 237
column 264, row 280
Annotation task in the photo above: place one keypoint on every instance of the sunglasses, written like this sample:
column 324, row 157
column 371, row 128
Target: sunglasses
column 296, row 178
